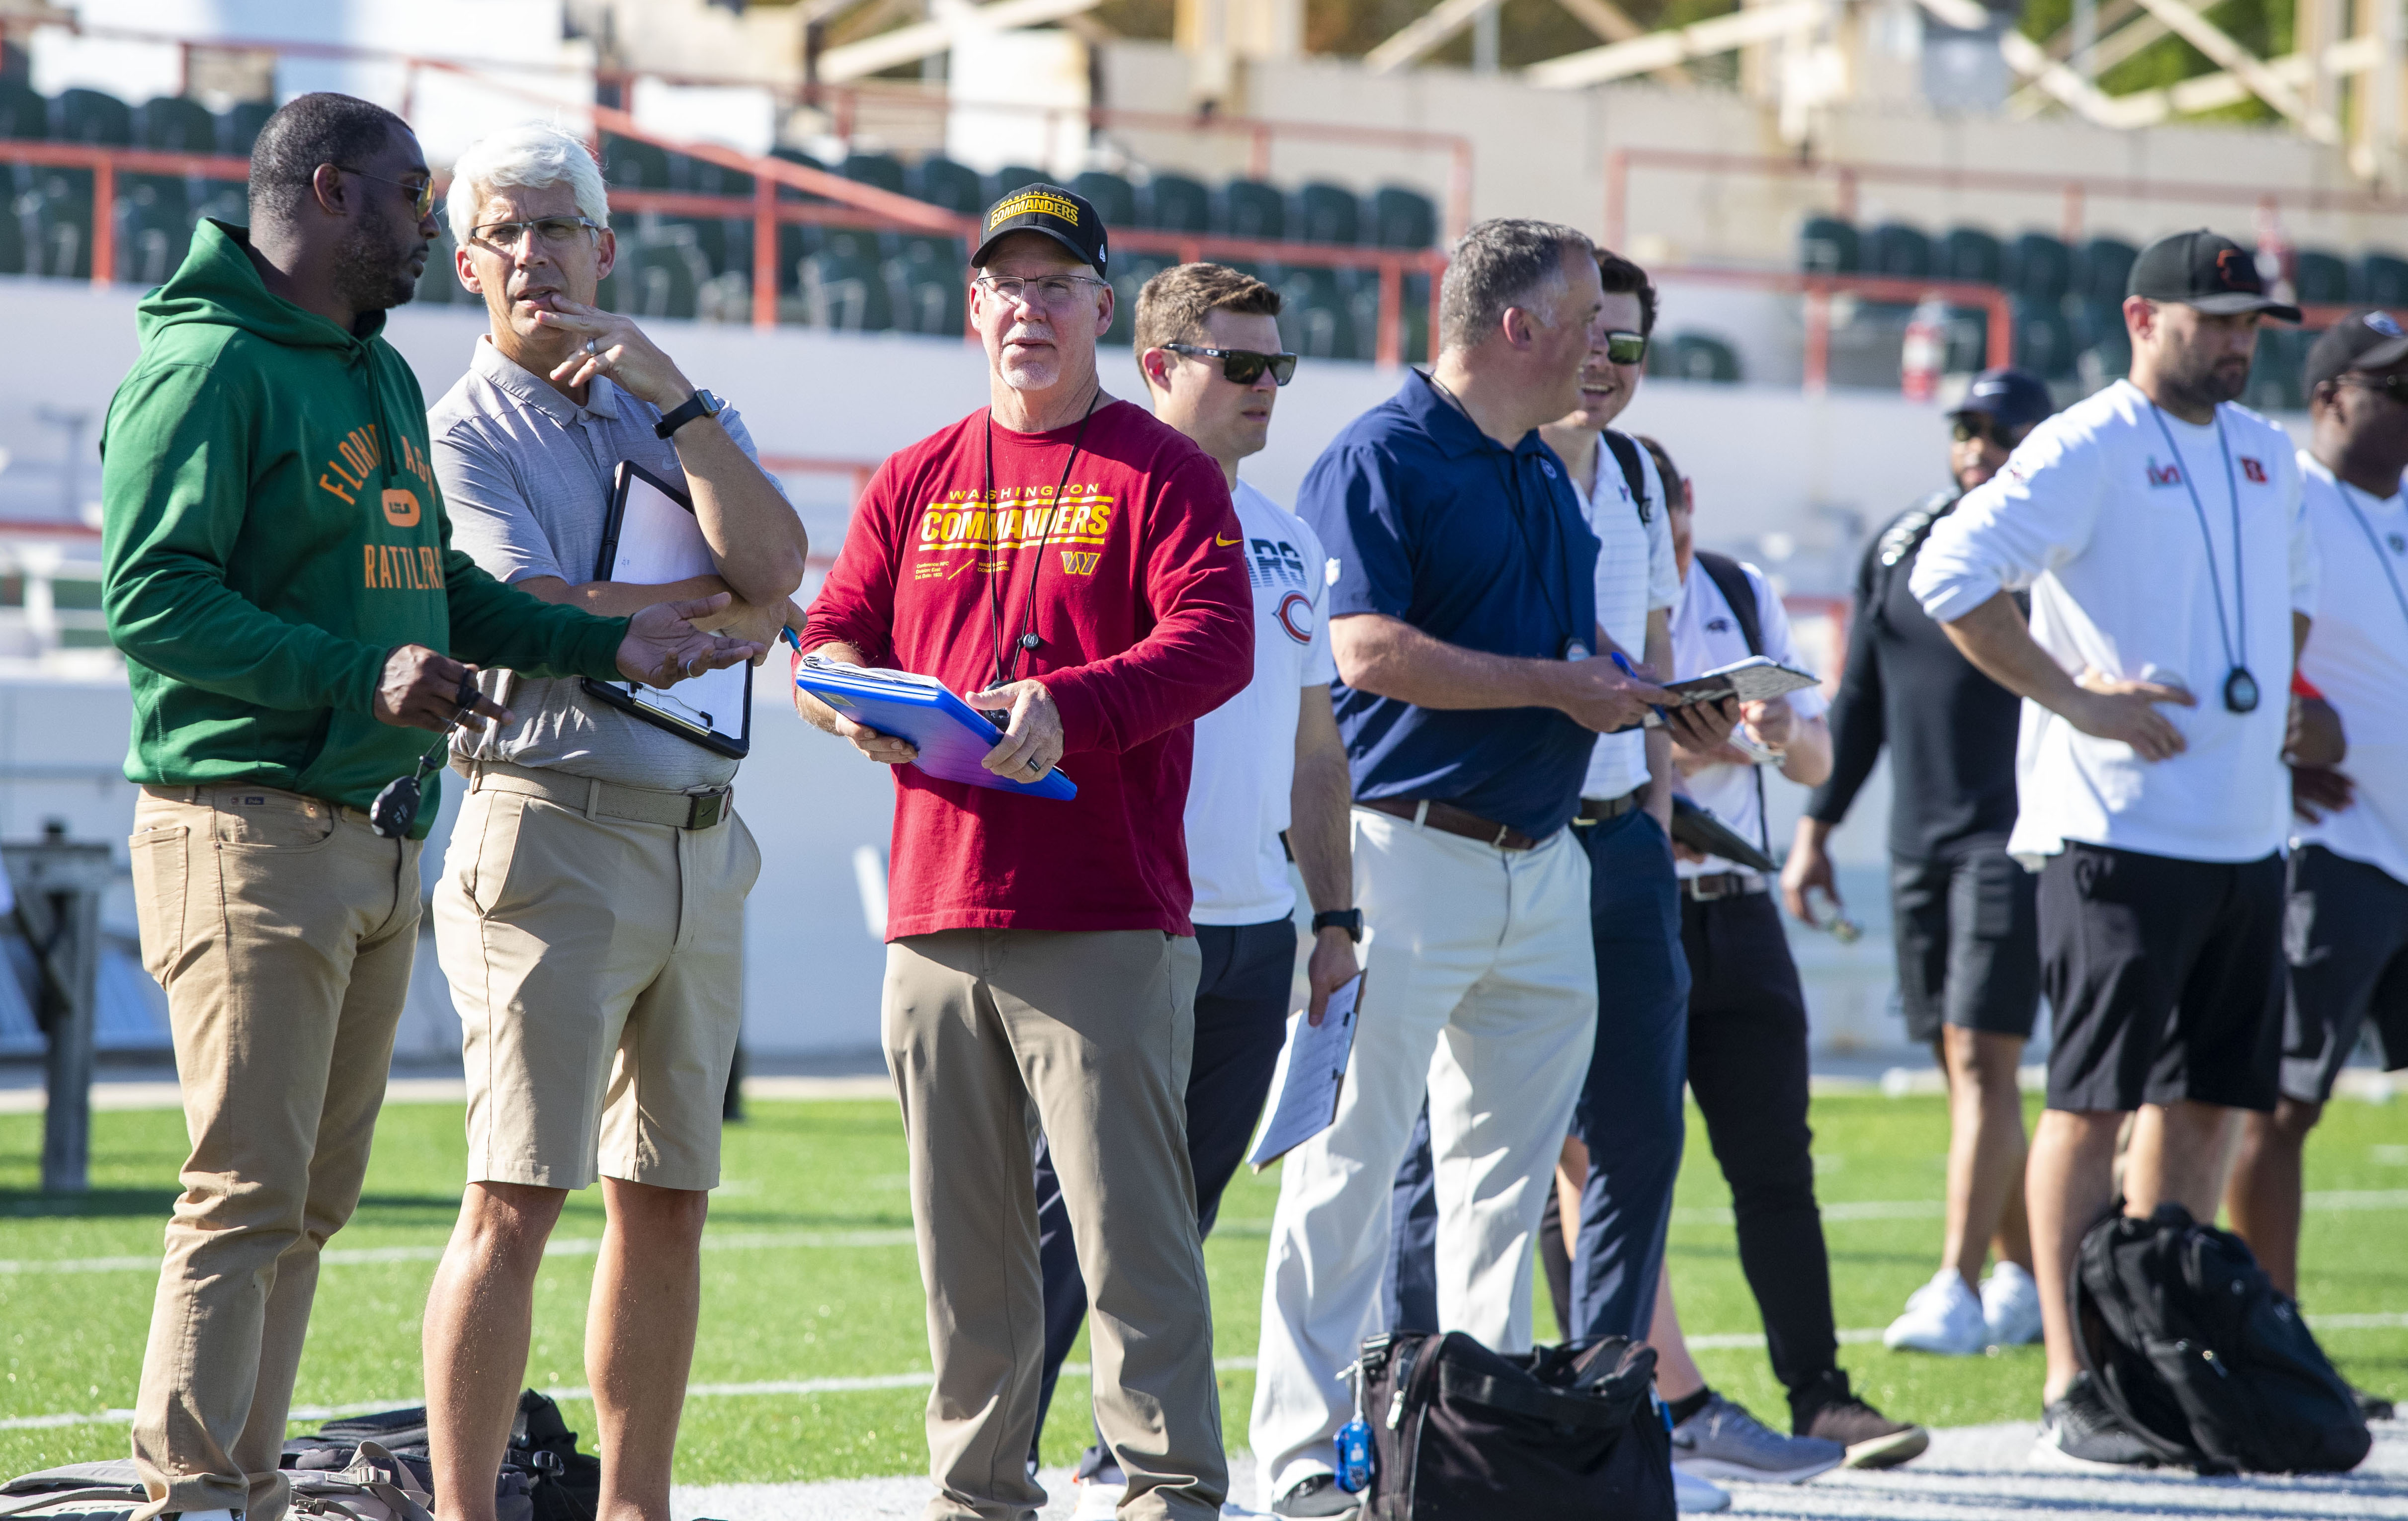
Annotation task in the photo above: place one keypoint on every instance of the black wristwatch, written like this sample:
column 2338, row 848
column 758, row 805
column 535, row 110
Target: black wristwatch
column 1349, row 920
column 701, row 404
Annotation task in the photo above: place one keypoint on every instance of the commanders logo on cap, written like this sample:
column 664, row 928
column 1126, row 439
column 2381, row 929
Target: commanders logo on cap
column 1034, row 204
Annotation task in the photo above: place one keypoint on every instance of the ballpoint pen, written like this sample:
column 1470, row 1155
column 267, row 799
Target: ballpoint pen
column 1622, row 664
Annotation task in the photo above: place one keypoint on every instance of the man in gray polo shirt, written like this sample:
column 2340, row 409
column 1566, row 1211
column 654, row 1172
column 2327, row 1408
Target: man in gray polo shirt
column 591, row 911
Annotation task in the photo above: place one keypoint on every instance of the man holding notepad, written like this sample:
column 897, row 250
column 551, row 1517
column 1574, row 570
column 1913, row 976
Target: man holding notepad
column 590, row 917
column 1064, row 559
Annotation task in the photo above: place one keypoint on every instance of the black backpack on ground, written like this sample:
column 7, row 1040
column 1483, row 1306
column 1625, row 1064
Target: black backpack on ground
column 543, row 1477
column 1461, row 1433
column 2196, row 1352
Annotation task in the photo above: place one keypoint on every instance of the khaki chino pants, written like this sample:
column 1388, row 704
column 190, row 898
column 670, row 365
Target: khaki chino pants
column 282, row 928
column 992, row 1035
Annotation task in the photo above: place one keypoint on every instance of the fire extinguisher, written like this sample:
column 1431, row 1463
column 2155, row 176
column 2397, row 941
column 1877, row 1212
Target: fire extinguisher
column 1925, row 352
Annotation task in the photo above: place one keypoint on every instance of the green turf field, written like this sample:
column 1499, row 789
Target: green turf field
column 813, row 1277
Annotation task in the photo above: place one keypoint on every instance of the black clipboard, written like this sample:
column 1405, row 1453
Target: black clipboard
column 1695, row 825
column 708, row 710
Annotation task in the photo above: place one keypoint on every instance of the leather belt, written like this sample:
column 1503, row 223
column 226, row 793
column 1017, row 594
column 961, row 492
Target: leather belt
column 1592, row 810
column 1722, row 884
column 1451, row 819
column 601, row 799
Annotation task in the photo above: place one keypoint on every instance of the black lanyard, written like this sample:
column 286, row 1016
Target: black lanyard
column 2373, row 543
column 1571, row 647
column 2240, row 687
column 1028, row 640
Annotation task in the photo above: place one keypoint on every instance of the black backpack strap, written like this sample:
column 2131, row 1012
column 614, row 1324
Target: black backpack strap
column 1730, row 579
column 1626, row 454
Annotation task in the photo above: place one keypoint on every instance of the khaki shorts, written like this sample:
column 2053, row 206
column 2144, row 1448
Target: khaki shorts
column 597, row 968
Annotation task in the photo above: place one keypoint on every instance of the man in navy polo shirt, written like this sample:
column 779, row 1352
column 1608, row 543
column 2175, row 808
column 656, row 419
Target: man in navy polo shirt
column 1461, row 620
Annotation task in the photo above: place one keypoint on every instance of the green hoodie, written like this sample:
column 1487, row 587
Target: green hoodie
column 273, row 531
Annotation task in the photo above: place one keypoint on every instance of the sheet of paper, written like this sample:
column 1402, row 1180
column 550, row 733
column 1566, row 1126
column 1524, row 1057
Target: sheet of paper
column 1311, row 1071
column 660, row 541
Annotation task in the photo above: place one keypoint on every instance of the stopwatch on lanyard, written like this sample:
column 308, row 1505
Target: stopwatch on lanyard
column 2240, row 694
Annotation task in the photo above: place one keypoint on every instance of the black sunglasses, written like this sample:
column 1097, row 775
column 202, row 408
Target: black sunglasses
column 2394, row 387
column 1241, row 366
column 421, row 195
column 1625, row 348
column 1966, row 427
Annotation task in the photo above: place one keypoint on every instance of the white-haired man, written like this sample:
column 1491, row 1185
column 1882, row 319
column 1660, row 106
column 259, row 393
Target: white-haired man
column 591, row 910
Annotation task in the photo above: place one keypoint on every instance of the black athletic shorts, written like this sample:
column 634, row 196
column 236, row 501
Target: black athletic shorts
column 2346, row 936
column 1968, row 934
column 2164, row 979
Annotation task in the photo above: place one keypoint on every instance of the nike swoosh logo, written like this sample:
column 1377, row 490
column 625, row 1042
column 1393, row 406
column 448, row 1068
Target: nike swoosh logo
column 1225, row 543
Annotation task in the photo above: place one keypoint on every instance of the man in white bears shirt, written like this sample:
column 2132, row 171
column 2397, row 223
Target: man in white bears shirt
column 2158, row 528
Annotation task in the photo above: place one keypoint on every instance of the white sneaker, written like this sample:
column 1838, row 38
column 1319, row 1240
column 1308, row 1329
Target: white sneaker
column 1941, row 1316
column 1693, row 1496
column 1094, row 1502
column 2010, row 1306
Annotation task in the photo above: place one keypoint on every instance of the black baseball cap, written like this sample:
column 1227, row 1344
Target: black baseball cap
column 1065, row 216
column 2212, row 273
column 2014, row 397
column 2362, row 340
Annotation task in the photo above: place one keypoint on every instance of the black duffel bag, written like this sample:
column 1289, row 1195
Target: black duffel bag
column 2200, row 1356
column 1461, row 1433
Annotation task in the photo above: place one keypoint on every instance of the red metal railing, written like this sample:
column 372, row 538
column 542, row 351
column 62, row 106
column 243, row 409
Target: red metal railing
column 2075, row 192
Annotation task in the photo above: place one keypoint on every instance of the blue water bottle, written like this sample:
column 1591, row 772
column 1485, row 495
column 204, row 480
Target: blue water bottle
column 1355, row 1443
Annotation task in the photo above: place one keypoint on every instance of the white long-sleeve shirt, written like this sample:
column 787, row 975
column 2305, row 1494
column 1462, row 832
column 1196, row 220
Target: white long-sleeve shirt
column 2110, row 513
column 2357, row 657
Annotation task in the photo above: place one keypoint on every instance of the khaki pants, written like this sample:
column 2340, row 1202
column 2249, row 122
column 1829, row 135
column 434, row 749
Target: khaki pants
column 597, row 965
column 282, row 928
column 992, row 1033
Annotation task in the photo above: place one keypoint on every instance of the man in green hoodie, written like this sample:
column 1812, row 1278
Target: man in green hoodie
column 280, row 578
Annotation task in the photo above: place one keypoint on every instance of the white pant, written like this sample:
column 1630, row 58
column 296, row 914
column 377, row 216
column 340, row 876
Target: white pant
column 1482, row 994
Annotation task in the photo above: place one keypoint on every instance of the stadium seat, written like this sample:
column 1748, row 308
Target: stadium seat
column 24, row 114
column 2096, row 321
column 2038, row 267
column 240, row 127
column 88, row 115
column 1402, row 219
column 229, row 203
column 796, row 241
column 941, row 182
column 1320, row 315
column 700, row 177
column 1251, row 209
column 1965, row 342
column 179, row 125
column 883, row 171
column 928, row 280
column 1827, row 246
column 2381, row 282
column 1113, row 197
column 1176, row 204
column 631, row 164
column 2044, row 338
column 2107, row 359
column 1326, row 213
column 1417, row 320
column 664, row 275
column 439, row 283
column 1968, row 253
column 844, row 283
column 1010, row 177
column 2276, row 377
column 1696, row 356
column 793, row 155
column 2321, row 279
column 2102, row 268
column 62, row 224
column 1897, row 251
column 154, row 228
column 1128, row 279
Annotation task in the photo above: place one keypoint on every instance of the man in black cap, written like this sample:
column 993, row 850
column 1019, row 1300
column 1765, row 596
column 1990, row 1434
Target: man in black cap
column 1064, row 557
column 2158, row 526
column 1968, row 948
column 2348, row 871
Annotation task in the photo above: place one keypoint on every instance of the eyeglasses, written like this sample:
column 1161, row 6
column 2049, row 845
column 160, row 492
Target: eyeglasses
column 2394, row 387
column 421, row 195
column 1625, row 348
column 1052, row 291
column 1241, row 366
column 1965, row 427
column 555, row 231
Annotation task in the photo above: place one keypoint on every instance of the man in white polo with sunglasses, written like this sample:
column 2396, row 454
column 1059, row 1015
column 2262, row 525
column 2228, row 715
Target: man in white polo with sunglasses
column 590, row 917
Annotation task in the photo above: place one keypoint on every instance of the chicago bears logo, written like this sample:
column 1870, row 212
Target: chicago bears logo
column 2254, row 470
column 1296, row 616
column 2237, row 271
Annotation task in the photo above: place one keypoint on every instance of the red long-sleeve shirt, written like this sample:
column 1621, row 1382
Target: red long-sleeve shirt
column 1146, row 617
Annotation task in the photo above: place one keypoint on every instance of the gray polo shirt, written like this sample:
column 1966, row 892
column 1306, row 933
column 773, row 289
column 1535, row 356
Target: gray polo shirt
column 525, row 474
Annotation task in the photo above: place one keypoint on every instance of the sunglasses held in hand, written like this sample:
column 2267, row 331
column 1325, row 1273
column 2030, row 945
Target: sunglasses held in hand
column 1241, row 366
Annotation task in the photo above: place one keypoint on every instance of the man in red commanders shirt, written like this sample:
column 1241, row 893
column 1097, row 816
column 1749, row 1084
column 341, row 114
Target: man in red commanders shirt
column 1061, row 554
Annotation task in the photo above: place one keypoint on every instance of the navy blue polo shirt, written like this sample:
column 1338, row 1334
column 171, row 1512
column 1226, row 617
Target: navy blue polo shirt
column 1434, row 523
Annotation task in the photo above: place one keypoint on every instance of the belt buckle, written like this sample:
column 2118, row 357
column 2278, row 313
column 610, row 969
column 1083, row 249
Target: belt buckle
column 706, row 809
column 1502, row 831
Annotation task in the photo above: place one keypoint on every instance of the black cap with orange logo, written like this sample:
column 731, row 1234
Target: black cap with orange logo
column 2212, row 273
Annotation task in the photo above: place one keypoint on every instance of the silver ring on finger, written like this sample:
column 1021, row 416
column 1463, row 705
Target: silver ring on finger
column 593, row 348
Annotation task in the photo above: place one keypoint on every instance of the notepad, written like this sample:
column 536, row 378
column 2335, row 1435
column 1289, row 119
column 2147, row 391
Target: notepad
column 1311, row 1074
column 953, row 738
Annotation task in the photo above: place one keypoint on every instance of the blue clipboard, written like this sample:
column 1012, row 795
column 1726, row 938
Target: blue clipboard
column 951, row 735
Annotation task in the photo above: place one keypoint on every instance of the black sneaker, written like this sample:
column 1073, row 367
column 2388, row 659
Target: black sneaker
column 2373, row 1406
column 2079, row 1428
column 1317, row 1495
column 1825, row 1407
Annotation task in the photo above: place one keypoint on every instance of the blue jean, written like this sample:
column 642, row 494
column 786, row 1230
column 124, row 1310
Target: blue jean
column 1630, row 1115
